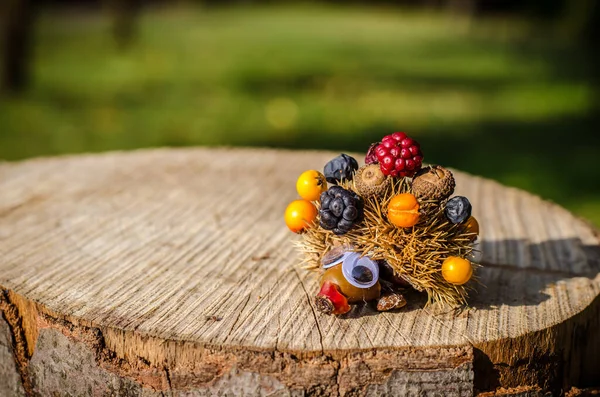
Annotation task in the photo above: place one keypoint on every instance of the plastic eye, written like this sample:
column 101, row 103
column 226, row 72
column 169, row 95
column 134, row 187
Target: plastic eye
column 334, row 257
column 360, row 272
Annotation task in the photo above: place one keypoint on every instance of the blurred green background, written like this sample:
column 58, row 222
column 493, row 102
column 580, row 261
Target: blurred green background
column 510, row 94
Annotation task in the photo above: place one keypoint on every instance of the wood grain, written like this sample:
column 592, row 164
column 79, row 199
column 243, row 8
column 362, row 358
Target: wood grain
column 180, row 257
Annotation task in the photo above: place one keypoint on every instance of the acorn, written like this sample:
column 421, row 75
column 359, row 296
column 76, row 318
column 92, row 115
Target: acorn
column 433, row 183
column 370, row 181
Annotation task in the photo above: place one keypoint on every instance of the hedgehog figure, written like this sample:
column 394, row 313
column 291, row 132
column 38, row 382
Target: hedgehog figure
column 389, row 225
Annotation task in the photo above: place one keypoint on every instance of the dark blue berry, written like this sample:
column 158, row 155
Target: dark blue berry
column 350, row 213
column 335, row 191
column 328, row 221
column 336, row 207
column 348, row 200
column 345, row 224
column 340, row 168
column 458, row 209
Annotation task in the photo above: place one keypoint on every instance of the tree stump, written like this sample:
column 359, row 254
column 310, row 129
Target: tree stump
column 171, row 272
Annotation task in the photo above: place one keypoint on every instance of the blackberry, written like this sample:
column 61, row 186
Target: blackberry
column 458, row 209
column 341, row 210
column 340, row 168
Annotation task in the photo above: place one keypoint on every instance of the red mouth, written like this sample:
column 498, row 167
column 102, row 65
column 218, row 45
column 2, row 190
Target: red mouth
column 330, row 300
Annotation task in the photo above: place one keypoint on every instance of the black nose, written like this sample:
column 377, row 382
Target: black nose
column 362, row 274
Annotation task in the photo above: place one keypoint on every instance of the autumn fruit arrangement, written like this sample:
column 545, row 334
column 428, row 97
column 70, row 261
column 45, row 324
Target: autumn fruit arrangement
column 377, row 230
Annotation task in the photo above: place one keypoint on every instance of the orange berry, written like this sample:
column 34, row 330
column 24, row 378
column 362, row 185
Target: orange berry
column 472, row 227
column 456, row 270
column 311, row 184
column 299, row 215
column 403, row 210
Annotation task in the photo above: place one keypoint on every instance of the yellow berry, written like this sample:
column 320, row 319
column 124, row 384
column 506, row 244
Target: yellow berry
column 310, row 185
column 456, row 270
column 299, row 215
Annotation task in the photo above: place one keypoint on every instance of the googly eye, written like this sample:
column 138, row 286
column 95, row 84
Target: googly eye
column 360, row 272
column 334, row 257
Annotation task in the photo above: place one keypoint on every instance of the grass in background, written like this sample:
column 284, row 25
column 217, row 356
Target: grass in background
column 476, row 94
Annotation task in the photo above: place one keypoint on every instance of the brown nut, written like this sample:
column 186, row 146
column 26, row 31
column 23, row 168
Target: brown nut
column 370, row 181
column 390, row 302
column 433, row 183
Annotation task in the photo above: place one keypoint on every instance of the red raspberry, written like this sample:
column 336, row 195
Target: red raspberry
column 398, row 155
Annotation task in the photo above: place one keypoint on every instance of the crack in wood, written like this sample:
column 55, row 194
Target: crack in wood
column 168, row 376
column 239, row 315
column 310, row 303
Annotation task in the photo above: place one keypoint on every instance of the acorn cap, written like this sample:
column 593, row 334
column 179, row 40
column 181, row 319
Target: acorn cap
column 433, row 183
column 370, row 181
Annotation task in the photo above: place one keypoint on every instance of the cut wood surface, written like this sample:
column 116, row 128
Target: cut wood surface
column 172, row 271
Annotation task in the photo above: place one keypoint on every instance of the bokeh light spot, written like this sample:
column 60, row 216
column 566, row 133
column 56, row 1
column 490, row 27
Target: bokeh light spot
column 281, row 113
